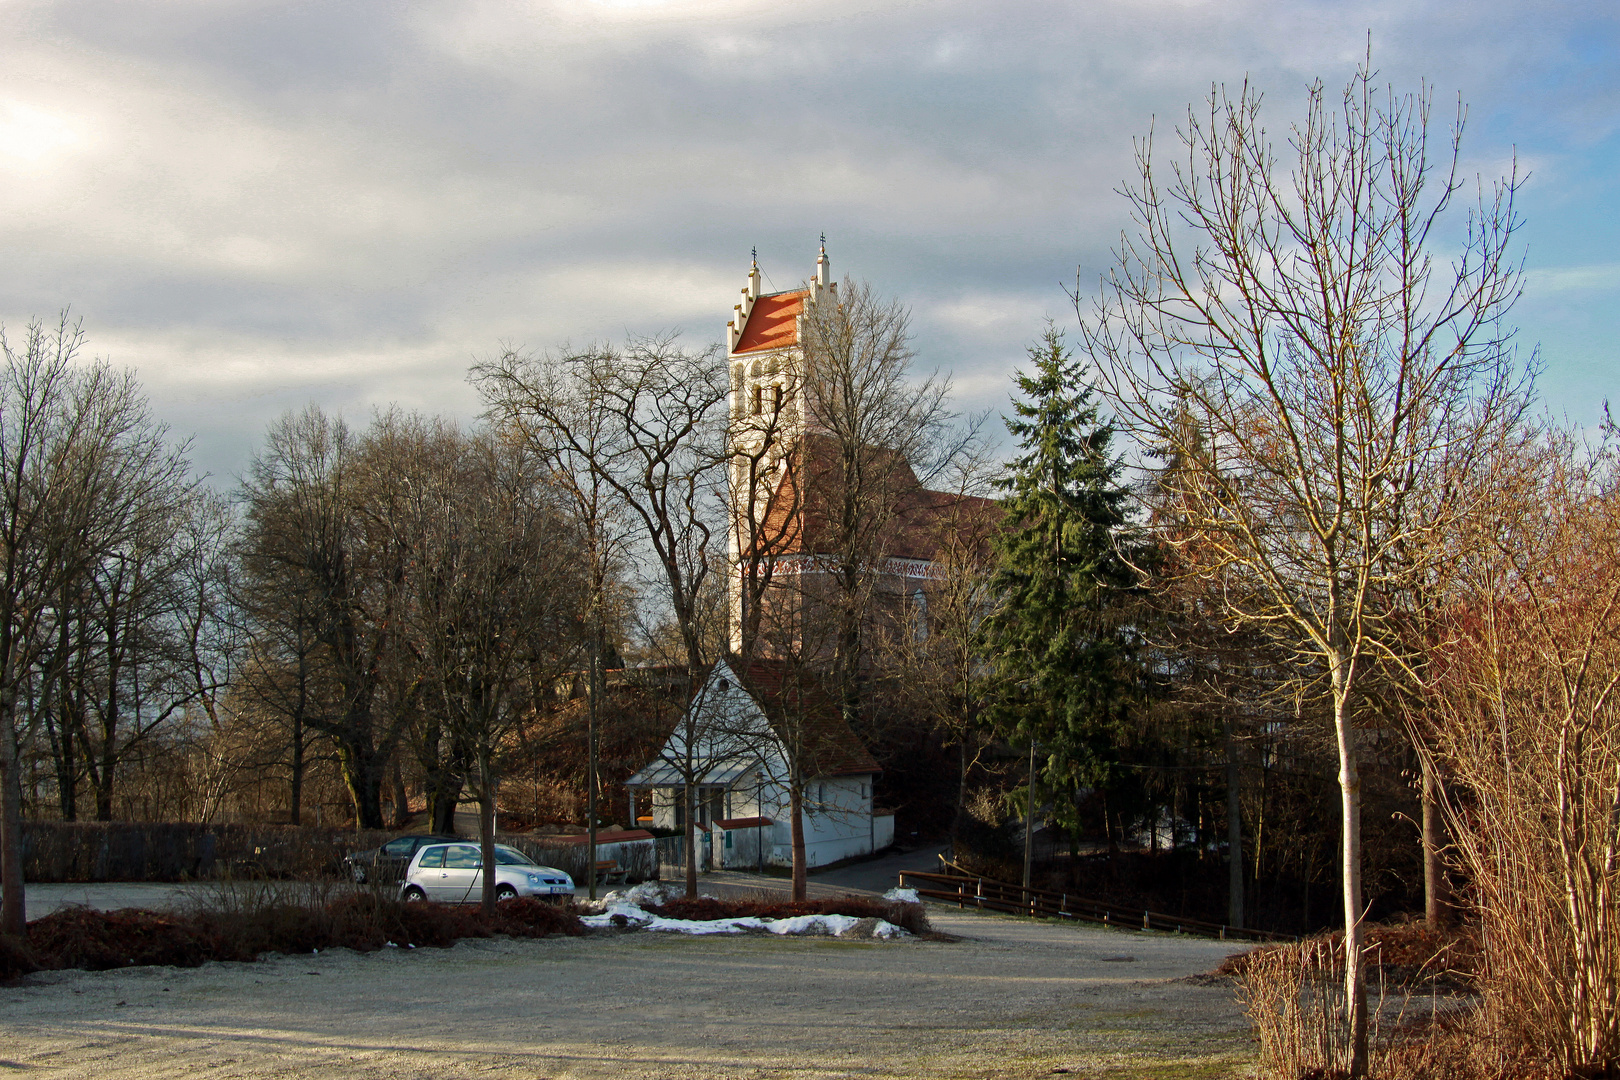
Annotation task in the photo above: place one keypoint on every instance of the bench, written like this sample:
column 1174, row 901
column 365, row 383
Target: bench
column 608, row 872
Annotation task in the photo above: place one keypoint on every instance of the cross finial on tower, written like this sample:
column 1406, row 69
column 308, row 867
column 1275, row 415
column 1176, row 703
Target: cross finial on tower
column 824, row 243
column 753, row 253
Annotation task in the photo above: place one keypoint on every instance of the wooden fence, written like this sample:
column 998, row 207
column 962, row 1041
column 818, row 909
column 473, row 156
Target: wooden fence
column 971, row 890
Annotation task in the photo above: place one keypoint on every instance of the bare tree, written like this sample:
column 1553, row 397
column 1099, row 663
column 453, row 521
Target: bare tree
column 931, row 655
column 872, row 433
column 643, row 426
column 71, row 438
column 1329, row 389
column 340, row 565
column 497, row 595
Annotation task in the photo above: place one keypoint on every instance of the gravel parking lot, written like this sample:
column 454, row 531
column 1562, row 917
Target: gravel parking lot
column 1012, row 999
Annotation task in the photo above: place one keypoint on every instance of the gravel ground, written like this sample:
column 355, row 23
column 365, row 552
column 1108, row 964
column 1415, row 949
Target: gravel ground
column 1012, row 999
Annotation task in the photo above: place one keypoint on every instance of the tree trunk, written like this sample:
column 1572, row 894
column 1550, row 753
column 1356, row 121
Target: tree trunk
column 362, row 775
column 688, row 793
column 590, row 756
column 295, row 793
column 1029, row 823
column 486, row 831
column 13, row 910
column 1436, row 894
column 1234, row 834
column 402, row 800
column 801, row 881
column 1355, row 988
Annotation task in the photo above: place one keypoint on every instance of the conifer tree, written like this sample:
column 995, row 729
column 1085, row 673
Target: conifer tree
column 1062, row 651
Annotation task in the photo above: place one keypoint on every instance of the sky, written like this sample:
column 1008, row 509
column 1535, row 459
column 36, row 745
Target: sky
column 263, row 204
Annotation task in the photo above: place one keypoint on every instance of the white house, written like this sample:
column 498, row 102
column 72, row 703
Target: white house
column 744, row 716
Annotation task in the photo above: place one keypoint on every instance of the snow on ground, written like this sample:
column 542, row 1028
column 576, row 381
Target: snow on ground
column 620, row 910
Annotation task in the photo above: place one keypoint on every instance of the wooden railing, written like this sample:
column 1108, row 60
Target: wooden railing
column 972, row 890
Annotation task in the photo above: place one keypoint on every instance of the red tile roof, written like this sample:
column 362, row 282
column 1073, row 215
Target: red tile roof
column 743, row 823
column 802, row 703
column 773, row 323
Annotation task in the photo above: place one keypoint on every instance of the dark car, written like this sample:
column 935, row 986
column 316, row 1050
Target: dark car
column 386, row 864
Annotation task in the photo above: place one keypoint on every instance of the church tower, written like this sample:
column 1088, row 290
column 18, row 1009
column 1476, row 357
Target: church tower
column 765, row 353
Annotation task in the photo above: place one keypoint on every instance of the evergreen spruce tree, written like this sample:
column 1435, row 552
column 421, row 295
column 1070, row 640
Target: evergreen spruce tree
column 1063, row 651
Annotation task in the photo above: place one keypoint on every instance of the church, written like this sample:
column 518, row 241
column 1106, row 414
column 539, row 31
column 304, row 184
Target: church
column 820, row 520
column 770, row 709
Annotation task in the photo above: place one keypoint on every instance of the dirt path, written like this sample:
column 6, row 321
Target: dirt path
column 1013, row 1000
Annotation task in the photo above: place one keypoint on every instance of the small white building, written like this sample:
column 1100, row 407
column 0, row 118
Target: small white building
column 744, row 718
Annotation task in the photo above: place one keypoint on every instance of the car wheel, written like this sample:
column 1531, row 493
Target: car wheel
column 358, row 872
column 505, row 892
column 414, row 895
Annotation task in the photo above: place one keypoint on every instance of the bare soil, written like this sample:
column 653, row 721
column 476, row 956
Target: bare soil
column 1011, row 999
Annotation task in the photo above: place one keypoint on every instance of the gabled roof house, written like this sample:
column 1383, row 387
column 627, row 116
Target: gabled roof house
column 755, row 716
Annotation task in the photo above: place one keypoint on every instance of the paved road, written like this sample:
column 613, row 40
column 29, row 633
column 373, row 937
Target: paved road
column 875, row 876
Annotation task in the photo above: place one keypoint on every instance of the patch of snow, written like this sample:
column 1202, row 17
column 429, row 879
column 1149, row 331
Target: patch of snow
column 812, row 924
column 706, row 926
column 904, row 896
column 619, row 912
column 611, row 908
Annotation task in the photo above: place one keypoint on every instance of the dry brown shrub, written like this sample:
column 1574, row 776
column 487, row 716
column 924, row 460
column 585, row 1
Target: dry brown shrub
column 1523, row 721
column 251, row 920
column 1420, row 1027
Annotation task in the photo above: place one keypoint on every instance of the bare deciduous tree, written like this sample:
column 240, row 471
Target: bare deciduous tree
column 643, row 426
column 1328, row 385
column 872, row 430
column 79, row 459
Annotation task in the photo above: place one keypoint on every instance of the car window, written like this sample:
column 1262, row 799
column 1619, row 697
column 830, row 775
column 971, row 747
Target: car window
column 461, row 857
column 432, row 857
column 399, row 847
column 509, row 856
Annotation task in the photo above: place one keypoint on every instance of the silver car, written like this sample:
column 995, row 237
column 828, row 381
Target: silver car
column 453, row 874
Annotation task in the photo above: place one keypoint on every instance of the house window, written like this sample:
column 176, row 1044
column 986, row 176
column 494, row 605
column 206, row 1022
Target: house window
column 759, row 401
column 919, row 616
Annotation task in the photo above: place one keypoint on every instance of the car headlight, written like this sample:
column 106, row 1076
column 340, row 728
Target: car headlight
column 534, row 879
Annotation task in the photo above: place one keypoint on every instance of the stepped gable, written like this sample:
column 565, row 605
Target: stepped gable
column 773, row 323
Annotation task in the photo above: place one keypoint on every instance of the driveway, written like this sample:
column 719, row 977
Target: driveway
column 1011, row 999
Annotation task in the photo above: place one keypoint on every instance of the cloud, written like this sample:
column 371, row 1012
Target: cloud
column 261, row 203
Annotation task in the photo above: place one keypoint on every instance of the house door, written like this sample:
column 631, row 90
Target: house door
column 712, row 807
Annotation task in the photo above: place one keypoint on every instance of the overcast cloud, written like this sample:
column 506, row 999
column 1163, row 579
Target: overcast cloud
column 263, row 204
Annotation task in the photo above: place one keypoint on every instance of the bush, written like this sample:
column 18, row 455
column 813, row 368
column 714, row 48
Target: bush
column 246, row 923
column 1294, row 995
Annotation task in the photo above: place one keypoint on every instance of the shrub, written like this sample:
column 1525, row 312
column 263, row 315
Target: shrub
column 250, row 922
